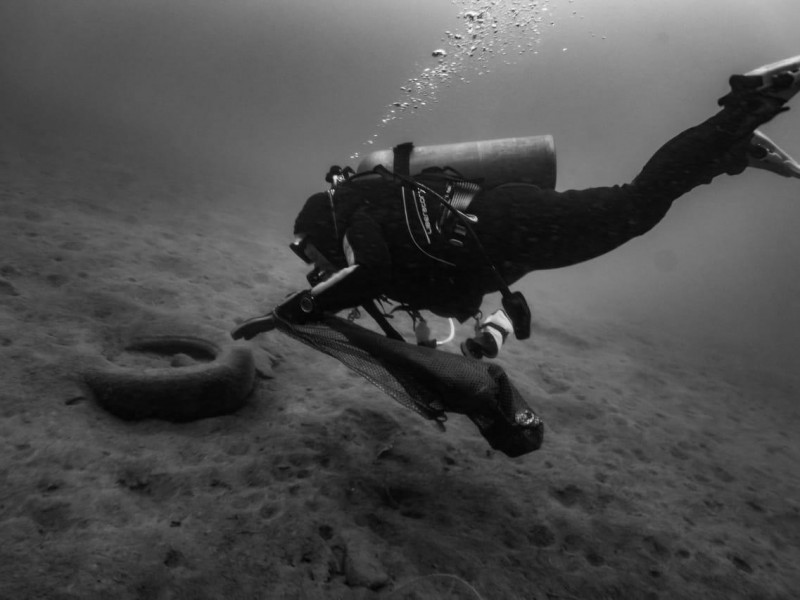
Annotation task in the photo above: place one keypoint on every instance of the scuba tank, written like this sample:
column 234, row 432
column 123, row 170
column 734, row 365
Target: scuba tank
column 491, row 163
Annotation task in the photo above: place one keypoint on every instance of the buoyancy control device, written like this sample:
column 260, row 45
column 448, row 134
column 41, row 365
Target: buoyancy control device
column 472, row 167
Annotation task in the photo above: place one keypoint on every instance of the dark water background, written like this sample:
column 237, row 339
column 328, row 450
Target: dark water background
column 269, row 93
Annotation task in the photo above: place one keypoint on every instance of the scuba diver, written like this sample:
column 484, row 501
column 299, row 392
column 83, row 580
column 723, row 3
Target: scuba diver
column 439, row 242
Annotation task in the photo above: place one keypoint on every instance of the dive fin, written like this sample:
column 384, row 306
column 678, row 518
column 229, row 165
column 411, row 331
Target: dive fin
column 763, row 153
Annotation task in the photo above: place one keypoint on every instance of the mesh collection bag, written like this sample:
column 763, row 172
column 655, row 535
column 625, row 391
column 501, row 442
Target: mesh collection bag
column 430, row 382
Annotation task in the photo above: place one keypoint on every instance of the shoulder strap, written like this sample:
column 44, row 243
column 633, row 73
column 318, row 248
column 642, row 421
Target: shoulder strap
column 402, row 158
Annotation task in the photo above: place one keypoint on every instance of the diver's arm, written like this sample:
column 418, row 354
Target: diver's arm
column 349, row 287
column 346, row 288
column 363, row 279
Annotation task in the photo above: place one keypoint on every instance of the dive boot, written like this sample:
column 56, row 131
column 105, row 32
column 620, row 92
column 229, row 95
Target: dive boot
column 763, row 153
column 779, row 80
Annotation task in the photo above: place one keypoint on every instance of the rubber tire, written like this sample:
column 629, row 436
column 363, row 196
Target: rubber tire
column 176, row 394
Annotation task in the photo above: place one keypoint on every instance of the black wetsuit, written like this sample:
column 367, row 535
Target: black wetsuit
column 394, row 239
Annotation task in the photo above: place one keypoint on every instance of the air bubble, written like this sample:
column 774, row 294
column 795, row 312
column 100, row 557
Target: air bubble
column 493, row 28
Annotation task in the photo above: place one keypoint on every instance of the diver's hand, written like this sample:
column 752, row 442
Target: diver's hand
column 252, row 327
column 299, row 308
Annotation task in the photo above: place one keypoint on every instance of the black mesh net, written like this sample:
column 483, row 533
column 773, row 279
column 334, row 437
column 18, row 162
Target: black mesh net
column 430, row 382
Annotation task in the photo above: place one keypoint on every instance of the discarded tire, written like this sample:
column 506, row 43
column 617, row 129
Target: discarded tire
column 177, row 394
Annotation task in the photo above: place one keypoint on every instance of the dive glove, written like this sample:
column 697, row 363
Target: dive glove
column 252, row 327
column 298, row 309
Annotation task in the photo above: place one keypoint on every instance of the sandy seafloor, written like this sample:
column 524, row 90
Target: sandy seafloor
column 668, row 470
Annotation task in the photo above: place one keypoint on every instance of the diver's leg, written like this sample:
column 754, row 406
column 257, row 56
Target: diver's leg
column 728, row 142
column 720, row 145
column 525, row 231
